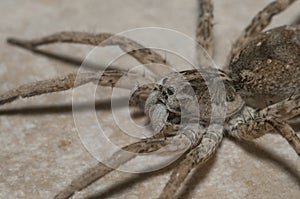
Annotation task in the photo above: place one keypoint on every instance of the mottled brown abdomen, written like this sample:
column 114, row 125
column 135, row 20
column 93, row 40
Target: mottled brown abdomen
column 267, row 70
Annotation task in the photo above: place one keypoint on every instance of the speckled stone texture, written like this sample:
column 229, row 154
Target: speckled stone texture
column 40, row 149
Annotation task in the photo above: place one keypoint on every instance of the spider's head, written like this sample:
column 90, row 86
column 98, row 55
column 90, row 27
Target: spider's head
column 171, row 97
column 175, row 92
column 166, row 94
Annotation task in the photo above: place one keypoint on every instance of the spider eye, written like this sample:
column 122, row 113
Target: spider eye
column 164, row 80
column 171, row 90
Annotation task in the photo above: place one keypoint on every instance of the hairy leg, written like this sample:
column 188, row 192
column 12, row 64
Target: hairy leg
column 140, row 95
column 258, row 24
column 258, row 127
column 100, row 170
column 259, row 123
column 136, row 50
column 73, row 80
column 285, row 131
column 204, row 31
column 197, row 156
column 285, row 110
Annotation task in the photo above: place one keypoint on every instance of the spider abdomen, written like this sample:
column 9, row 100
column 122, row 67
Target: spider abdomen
column 267, row 69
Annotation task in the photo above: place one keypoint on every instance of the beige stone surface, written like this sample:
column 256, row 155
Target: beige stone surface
column 40, row 151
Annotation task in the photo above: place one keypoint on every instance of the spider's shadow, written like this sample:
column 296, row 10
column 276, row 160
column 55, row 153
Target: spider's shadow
column 67, row 59
column 103, row 105
column 201, row 172
column 256, row 151
column 262, row 152
column 60, row 108
column 296, row 21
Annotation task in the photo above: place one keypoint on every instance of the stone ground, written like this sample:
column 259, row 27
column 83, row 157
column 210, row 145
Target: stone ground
column 40, row 148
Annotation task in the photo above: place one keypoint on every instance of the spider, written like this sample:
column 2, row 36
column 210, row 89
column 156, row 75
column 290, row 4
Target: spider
column 277, row 111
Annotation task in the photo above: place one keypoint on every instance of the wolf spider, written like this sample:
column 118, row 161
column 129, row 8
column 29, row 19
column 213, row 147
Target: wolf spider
column 262, row 91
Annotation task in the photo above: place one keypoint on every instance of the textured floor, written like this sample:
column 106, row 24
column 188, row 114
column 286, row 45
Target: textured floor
column 40, row 148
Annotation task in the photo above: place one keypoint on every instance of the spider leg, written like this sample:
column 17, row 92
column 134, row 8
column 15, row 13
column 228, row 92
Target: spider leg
column 286, row 131
column 140, row 95
column 133, row 48
column 285, row 110
column 271, row 118
column 204, row 32
column 258, row 24
column 73, row 80
column 258, row 127
column 100, row 170
column 197, row 156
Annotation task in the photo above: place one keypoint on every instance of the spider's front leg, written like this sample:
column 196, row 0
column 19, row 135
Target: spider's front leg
column 109, row 77
column 119, row 158
column 172, row 101
column 133, row 48
column 100, row 170
column 158, row 114
column 259, row 123
column 70, row 81
column 202, row 149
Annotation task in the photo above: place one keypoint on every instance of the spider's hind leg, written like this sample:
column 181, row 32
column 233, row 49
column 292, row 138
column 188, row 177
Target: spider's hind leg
column 258, row 127
column 269, row 119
